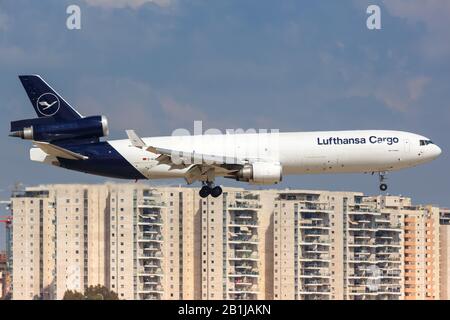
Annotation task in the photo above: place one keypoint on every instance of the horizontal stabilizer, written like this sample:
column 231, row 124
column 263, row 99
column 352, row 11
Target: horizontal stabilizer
column 59, row 152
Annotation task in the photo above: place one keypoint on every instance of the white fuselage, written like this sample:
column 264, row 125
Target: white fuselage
column 297, row 152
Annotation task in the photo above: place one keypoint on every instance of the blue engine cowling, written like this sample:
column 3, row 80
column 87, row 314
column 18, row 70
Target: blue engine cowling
column 45, row 130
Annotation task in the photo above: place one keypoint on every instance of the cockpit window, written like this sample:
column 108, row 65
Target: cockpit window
column 425, row 142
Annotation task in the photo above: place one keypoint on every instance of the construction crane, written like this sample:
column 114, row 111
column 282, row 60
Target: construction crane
column 7, row 220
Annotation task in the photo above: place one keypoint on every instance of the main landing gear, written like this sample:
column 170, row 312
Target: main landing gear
column 209, row 189
column 382, row 178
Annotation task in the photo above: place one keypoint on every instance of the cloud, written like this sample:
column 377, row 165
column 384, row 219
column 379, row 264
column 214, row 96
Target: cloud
column 17, row 57
column 133, row 104
column 179, row 113
column 127, row 103
column 3, row 22
column 397, row 92
column 416, row 87
column 128, row 3
column 433, row 14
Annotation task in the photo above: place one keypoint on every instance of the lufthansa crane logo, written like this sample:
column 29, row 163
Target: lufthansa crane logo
column 47, row 104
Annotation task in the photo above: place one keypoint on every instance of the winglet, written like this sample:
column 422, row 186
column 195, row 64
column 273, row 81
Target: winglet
column 136, row 141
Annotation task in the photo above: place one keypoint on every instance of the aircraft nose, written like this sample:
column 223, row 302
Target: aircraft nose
column 436, row 152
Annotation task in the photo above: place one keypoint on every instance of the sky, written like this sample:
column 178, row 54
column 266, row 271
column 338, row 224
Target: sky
column 158, row 65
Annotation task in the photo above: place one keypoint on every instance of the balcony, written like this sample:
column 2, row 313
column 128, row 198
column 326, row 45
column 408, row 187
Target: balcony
column 150, row 202
column 244, row 256
column 150, row 295
column 315, row 208
column 150, row 255
column 242, row 223
column 315, row 282
column 323, row 258
column 313, row 232
column 383, row 243
column 151, row 248
column 151, row 231
column 246, row 196
column 155, row 281
column 145, row 221
column 243, row 239
column 306, row 252
column 150, row 238
column 243, row 205
column 313, row 292
column 243, row 249
column 313, row 226
column 396, row 229
column 319, row 242
column 244, row 281
column 243, row 273
column 315, row 265
column 151, row 272
column 363, row 211
column 151, row 289
column 362, row 228
column 152, row 279
column 242, row 296
column 370, row 276
column 310, row 274
column 249, row 290
column 152, row 264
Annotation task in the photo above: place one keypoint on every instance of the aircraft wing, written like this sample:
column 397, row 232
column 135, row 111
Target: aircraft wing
column 183, row 157
column 202, row 164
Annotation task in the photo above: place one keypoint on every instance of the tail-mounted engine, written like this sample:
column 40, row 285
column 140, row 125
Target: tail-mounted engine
column 45, row 129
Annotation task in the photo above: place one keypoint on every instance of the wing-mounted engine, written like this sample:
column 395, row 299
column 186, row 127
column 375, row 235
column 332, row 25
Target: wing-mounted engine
column 260, row 173
column 48, row 130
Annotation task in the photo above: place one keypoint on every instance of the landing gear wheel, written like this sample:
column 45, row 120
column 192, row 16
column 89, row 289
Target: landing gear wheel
column 216, row 191
column 204, row 191
column 382, row 179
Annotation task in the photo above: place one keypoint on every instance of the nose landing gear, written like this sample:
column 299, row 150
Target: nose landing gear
column 382, row 178
column 209, row 189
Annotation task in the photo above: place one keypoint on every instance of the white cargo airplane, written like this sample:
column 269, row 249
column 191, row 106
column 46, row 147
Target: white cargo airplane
column 64, row 138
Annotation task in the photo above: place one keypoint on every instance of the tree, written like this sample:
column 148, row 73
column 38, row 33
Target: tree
column 8, row 296
column 100, row 293
column 97, row 292
column 73, row 295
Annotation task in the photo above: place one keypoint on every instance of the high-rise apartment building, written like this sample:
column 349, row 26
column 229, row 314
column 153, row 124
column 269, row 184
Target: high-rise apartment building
column 304, row 244
column 3, row 273
column 235, row 257
column 126, row 237
column 444, row 253
column 168, row 243
column 421, row 247
column 33, row 245
column 373, row 250
column 335, row 245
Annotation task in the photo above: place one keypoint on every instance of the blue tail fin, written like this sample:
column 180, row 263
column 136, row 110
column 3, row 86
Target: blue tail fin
column 46, row 101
